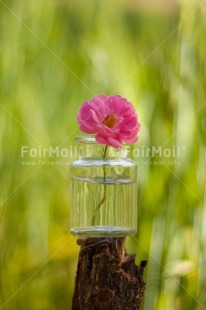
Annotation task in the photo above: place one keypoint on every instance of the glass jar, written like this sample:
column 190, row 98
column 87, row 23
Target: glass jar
column 103, row 191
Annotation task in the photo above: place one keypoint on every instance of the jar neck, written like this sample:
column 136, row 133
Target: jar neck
column 88, row 147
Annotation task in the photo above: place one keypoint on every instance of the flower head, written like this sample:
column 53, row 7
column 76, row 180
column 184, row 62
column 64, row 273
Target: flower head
column 112, row 118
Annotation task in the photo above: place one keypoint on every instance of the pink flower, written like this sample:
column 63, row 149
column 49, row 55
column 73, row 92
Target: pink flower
column 112, row 118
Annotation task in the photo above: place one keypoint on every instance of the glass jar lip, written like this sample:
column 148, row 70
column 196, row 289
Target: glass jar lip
column 90, row 139
column 86, row 139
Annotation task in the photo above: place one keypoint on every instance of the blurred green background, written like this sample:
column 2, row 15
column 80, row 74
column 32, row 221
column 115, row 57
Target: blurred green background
column 54, row 55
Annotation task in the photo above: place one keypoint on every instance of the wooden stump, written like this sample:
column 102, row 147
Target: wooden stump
column 107, row 277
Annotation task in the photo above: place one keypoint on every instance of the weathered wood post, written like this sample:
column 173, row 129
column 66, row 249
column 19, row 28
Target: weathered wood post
column 107, row 277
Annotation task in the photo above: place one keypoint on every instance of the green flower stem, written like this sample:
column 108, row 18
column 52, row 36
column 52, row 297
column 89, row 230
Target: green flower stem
column 104, row 188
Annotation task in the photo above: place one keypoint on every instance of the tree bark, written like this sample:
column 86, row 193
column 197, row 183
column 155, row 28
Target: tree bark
column 107, row 277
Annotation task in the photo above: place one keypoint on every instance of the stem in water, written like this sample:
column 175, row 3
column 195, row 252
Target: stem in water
column 104, row 188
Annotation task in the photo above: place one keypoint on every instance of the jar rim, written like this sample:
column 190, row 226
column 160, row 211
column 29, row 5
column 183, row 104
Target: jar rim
column 86, row 139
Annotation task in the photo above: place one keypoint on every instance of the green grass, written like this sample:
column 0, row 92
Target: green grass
column 53, row 56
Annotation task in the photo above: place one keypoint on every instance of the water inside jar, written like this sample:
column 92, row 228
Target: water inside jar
column 103, row 207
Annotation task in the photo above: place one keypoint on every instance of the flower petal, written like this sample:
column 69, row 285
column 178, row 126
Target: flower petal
column 108, row 140
column 115, row 142
column 131, row 140
column 102, row 139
